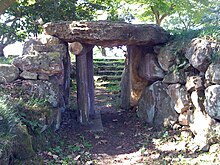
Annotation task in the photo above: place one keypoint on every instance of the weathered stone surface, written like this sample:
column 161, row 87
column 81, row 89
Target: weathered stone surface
column 212, row 104
column 155, row 105
column 8, row 73
column 149, row 68
column 107, row 34
column 175, row 77
column 44, row 63
column 136, row 83
column 125, row 87
column 43, row 89
column 166, row 57
column 212, row 74
column 28, row 75
column 29, row 46
column 202, row 127
column 179, row 97
column 194, row 83
column 199, row 54
column 22, row 144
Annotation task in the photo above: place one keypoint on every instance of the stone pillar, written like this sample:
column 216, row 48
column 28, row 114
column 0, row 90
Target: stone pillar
column 66, row 85
column 132, row 84
column 91, row 84
column 85, row 81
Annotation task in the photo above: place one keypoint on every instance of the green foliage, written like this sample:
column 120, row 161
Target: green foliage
column 210, row 33
column 4, row 60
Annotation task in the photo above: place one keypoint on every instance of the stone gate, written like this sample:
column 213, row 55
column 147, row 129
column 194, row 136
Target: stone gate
column 82, row 37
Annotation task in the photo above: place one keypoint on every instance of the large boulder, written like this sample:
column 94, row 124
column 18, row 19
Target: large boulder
column 212, row 74
column 212, row 103
column 8, row 73
column 199, row 54
column 155, row 106
column 179, row 97
column 149, row 68
column 166, row 57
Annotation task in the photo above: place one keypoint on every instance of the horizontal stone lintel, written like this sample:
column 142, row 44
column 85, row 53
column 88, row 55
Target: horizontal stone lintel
column 107, row 34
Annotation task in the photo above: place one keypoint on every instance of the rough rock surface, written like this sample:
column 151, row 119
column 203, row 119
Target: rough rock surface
column 179, row 96
column 149, row 68
column 212, row 74
column 166, row 57
column 175, row 77
column 212, row 104
column 8, row 73
column 22, row 144
column 43, row 63
column 194, row 83
column 107, row 34
column 136, row 83
column 158, row 107
column 199, row 54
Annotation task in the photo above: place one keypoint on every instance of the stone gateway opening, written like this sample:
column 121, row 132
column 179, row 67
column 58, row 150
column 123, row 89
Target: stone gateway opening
column 83, row 36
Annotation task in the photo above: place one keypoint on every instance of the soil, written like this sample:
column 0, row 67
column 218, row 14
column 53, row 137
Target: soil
column 124, row 140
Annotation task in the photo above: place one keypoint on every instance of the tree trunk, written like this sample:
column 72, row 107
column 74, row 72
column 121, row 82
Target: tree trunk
column 1, row 50
column 4, row 4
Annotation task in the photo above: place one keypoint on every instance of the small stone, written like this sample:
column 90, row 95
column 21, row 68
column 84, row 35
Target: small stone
column 205, row 148
column 1, row 118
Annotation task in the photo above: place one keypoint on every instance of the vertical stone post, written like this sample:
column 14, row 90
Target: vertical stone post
column 132, row 84
column 91, row 84
column 66, row 85
column 85, row 80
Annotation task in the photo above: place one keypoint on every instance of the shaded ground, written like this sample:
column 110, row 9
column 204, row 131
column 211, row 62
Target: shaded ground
column 124, row 141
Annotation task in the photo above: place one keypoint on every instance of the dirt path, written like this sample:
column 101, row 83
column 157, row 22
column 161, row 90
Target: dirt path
column 124, row 141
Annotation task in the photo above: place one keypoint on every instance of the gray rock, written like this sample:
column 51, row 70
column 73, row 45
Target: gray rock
column 44, row 63
column 29, row 46
column 212, row 103
column 43, row 89
column 28, row 75
column 212, row 74
column 199, row 54
column 155, row 105
column 8, row 73
column 175, row 77
column 149, row 68
column 179, row 97
column 166, row 57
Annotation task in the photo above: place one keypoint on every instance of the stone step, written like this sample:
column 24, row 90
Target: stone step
column 107, row 78
column 109, row 63
column 106, row 72
column 109, row 59
column 108, row 67
column 106, row 84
